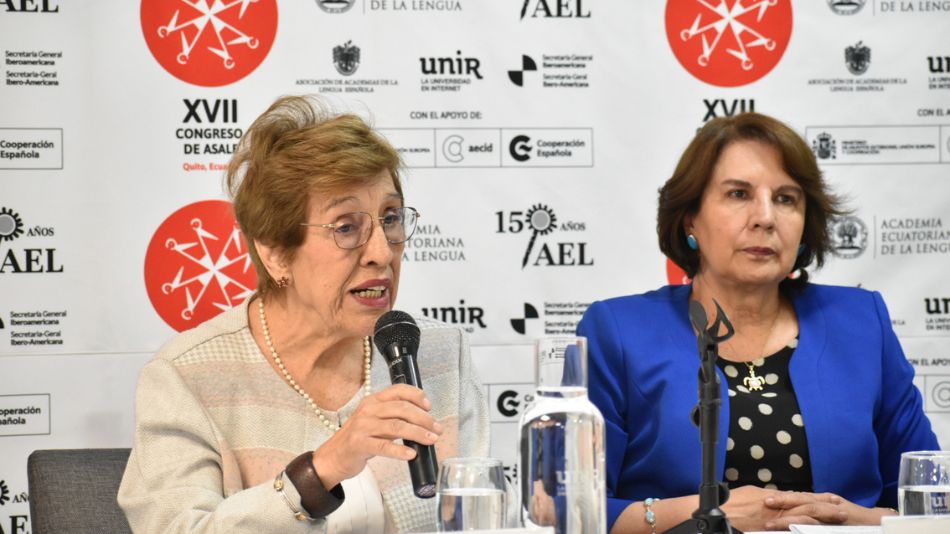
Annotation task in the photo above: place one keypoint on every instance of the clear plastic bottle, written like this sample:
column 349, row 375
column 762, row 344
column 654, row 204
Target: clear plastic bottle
column 562, row 444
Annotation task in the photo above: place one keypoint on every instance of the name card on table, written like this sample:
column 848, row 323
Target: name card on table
column 533, row 530
column 916, row 524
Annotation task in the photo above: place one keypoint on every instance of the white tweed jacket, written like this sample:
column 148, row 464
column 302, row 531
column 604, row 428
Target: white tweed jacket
column 215, row 424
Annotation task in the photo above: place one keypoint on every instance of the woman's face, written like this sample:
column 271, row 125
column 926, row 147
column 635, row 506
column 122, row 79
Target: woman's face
column 347, row 290
column 751, row 217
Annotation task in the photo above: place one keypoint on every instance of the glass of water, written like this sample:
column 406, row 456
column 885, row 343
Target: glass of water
column 923, row 485
column 470, row 494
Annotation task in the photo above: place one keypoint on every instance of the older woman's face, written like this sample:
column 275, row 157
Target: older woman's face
column 347, row 290
column 751, row 217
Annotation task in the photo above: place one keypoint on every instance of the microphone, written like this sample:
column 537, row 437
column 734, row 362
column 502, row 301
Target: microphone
column 397, row 338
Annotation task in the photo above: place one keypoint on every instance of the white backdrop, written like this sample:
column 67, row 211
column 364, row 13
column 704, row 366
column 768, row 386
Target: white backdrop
column 535, row 133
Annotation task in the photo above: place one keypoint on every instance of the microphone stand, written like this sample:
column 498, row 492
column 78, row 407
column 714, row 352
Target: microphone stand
column 708, row 518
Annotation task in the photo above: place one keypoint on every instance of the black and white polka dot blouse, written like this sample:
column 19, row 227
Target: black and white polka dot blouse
column 767, row 446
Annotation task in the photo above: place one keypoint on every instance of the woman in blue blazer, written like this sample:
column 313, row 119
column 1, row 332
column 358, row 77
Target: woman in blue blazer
column 818, row 400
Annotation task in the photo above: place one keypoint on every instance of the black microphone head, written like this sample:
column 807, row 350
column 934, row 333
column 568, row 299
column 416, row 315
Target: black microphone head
column 396, row 327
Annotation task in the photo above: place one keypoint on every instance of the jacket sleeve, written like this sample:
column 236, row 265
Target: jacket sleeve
column 174, row 479
column 607, row 389
column 900, row 424
column 474, row 425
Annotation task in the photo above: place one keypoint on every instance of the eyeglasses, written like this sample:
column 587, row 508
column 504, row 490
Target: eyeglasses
column 352, row 230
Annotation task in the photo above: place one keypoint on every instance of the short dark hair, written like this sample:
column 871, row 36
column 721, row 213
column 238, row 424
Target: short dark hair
column 682, row 194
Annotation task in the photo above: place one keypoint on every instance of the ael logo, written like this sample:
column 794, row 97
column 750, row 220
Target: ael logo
column 541, row 221
column 18, row 523
column 11, row 225
column 728, row 43
column 197, row 265
column 30, row 6
column 557, row 9
column 209, row 42
column 27, row 260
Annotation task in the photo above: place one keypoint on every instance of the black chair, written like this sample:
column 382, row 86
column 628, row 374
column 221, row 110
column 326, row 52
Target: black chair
column 74, row 490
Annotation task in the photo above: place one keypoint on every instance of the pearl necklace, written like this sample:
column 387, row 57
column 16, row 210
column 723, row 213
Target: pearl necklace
column 367, row 379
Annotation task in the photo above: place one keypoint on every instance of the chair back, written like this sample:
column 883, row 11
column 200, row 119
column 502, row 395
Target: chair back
column 74, row 490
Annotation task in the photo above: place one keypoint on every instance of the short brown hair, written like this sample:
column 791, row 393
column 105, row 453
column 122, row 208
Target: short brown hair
column 296, row 147
column 682, row 194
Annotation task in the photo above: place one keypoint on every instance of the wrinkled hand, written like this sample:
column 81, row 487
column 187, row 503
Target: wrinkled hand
column 859, row 515
column 397, row 412
column 753, row 508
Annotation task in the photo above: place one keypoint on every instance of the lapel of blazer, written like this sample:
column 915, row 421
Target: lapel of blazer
column 804, row 369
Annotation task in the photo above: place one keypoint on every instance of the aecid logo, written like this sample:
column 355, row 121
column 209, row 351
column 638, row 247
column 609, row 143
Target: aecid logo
column 730, row 42
column 197, row 265
column 209, row 42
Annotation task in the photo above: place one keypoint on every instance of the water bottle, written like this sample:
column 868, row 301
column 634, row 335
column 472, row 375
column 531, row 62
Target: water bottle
column 562, row 444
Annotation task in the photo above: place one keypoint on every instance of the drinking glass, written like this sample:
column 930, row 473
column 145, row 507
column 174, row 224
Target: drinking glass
column 923, row 485
column 470, row 494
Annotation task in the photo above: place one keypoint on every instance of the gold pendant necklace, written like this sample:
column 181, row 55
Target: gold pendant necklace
column 754, row 382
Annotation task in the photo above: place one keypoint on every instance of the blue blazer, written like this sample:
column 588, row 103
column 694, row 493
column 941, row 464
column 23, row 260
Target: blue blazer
column 853, row 383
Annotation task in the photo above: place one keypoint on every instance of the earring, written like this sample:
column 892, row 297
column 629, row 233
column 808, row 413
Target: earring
column 795, row 274
column 283, row 282
column 691, row 242
column 802, row 248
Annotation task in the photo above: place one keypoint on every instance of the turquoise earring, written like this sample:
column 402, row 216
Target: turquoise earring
column 691, row 242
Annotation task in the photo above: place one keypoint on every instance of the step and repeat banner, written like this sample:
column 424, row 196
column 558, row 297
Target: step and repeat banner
column 535, row 134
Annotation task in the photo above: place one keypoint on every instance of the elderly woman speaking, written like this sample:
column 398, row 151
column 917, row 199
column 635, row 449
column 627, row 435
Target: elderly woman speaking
column 278, row 416
column 818, row 396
